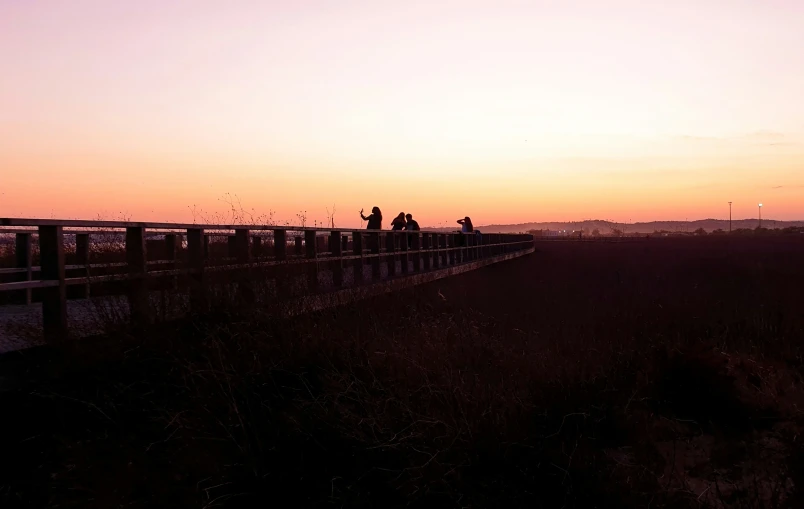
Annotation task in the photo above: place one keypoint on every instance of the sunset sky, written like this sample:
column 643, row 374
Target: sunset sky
column 507, row 111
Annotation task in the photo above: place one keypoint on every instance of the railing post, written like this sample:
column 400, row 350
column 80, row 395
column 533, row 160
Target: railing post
column 282, row 276
column 171, row 239
column 312, row 265
column 374, row 241
column 238, row 246
column 451, row 238
column 335, row 245
column 196, row 254
column 242, row 255
column 205, row 242
column 357, row 250
column 416, row 246
column 256, row 246
column 82, row 258
column 137, row 268
column 390, row 242
column 467, row 247
column 297, row 246
column 170, row 247
column 437, row 250
column 433, row 250
column 169, row 283
column 345, row 244
column 404, row 244
column 425, row 251
column 23, row 261
column 54, row 299
column 231, row 246
column 280, row 245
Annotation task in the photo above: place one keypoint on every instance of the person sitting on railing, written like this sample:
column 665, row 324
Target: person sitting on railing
column 374, row 219
column 398, row 223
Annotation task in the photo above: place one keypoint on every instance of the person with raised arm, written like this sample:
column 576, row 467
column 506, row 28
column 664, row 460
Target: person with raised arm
column 374, row 219
column 466, row 225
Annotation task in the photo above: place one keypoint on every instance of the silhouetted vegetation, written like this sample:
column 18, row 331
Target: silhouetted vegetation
column 654, row 373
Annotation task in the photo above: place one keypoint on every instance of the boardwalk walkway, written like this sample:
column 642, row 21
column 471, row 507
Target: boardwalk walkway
column 298, row 268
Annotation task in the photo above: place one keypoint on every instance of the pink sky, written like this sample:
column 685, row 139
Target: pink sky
column 505, row 111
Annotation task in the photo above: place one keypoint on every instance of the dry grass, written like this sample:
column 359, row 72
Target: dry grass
column 618, row 375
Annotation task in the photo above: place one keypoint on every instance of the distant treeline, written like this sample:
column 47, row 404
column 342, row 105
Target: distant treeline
column 621, row 232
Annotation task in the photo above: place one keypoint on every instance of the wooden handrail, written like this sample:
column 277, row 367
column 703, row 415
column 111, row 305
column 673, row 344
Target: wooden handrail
column 122, row 225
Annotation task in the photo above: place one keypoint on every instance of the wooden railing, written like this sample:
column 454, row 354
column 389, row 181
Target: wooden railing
column 281, row 251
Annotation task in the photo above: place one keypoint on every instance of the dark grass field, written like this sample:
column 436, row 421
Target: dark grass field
column 649, row 373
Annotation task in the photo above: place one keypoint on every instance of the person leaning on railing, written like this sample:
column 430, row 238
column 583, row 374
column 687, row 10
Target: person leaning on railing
column 411, row 225
column 398, row 224
column 374, row 219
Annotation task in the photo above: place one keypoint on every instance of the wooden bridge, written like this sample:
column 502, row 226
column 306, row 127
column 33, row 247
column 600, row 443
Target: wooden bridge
column 141, row 261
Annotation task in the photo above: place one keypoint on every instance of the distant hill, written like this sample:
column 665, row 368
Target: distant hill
column 647, row 227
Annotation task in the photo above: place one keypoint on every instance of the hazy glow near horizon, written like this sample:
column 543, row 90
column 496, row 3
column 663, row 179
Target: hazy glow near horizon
column 506, row 111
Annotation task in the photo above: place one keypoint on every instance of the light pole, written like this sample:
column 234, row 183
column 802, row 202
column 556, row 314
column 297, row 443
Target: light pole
column 729, row 217
column 760, row 216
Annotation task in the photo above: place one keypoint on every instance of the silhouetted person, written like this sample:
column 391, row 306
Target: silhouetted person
column 411, row 224
column 374, row 219
column 398, row 223
column 466, row 225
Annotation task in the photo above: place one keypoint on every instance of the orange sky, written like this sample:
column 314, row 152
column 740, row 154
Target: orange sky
column 507, row 111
